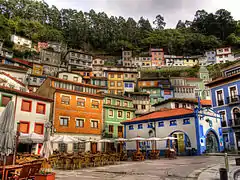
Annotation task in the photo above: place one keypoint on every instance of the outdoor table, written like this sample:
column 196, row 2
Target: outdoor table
column 9, row 169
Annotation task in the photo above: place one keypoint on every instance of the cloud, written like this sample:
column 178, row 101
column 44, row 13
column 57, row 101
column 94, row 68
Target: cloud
column 172, row 10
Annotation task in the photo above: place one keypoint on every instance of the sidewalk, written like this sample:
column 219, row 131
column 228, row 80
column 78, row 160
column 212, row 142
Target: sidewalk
column 212, row 172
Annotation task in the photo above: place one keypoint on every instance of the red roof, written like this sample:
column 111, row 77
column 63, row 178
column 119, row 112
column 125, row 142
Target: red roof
column 193, row 79
column 162, row 114
column 11, row 67
column 206, row 102
column 25, row 94
column 22, row 61
column 13, row 78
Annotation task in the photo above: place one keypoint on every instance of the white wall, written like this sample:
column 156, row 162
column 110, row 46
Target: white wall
column 21, row 41
column 161, row 132
column 224, row 59
column 11, row 83
column 18, row 75
column 70, row 76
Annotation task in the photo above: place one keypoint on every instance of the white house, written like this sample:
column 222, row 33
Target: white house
column 21, row 41
column 70, row 76
column 197, row 130
column 224, row 55
column 31, row 112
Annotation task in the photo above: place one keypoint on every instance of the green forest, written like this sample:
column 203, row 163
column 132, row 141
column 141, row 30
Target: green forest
column 98, row 32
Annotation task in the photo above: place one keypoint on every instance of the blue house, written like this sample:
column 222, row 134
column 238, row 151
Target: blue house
column 211, row 57
column 225, row 93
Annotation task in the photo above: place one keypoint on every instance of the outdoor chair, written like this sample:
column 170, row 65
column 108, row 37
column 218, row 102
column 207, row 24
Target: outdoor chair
column 22, row 174
column 68, row 163
column 35, row 168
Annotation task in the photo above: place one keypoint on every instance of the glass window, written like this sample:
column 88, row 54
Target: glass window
column 119, row 84
column 120, row 114
column 110, row 113
column 118, row 103
column 81, row 102
column 125, row 104
column 79, row 122
column 110, row 128
column 112, row 75
column 65, row 77
column 39, row 128
column 94, row 124
column 161, row 124
column 112, row 84
column 5, row 100
column 24, row 127
column 65, row 100
column 150, row 125
column 95, row 104
column 140, row 126
column 143, row 106
column 220, row 101
column 176, row 105
column 119, row 76
column 186, row 121
column 173, row 123
column 41, row 108
column 130, row 127
column 75, row 79
column 109, row 101
column 223, row 116
column 128, row 115
column 64, row 121
column 26, row 105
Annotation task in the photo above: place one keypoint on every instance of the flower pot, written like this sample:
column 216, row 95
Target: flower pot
column 50, row 176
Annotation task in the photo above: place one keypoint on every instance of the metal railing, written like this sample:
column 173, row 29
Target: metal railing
column 233, row 99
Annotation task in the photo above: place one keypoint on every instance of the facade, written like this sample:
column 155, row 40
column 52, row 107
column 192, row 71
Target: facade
column 34, row 82
column 20, row 41
column 116, row 109
column 159, row 88
column 100, row 81
column 31, row 111
column 171, row 60
column 127, row 58
column 6, row 53
column 190, row 61
column 172, row 103
column 141, row 102
column 224, row 55
column 198, row 130
column 157, row 57
column 97, row 67
column 79, row 60
column 7, row 80
column 70, row 76
column 211, row 57
column 225, row 100
column 78, row 112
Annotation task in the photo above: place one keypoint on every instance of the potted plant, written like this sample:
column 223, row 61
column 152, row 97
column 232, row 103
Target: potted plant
column 45, row 172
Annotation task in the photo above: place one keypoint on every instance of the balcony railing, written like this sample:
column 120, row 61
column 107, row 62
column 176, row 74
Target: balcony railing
column 233, row 99
column 233, row 122
column 220, row 102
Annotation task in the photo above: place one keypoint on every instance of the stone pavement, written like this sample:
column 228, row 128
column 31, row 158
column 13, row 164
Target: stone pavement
column 182, row 168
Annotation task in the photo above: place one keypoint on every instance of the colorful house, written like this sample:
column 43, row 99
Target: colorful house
column 190, row 61
column 78, row 112
column 197, row 131
column 157, row 57
column 158, row 88
column 116, row 109
column 226, row 101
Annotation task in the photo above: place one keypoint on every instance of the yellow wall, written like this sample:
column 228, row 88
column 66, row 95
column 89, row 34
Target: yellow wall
column 37, row 70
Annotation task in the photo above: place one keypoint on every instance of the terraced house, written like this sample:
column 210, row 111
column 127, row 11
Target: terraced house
column 116, row 109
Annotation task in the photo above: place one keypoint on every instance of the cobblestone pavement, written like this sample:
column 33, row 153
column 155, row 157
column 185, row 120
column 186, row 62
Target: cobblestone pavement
column 182, row 168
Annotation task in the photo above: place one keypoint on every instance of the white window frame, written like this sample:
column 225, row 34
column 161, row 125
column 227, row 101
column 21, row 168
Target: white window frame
column 68, row 117
column 222, row 98
column 122, row 114
column 109, row 113
column 224, row 110
column 81, row 98
column 91, row 123
column 127, row 113
column 78, row 118
column 98, row 102
column 69, row 98
column 231, row 87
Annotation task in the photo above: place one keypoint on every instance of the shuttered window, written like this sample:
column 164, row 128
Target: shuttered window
column 5, row 100
column 66, row 100
column 26, row 105
column 38, row 128
column 41, row 108
column 24, row 127
column 81, row 102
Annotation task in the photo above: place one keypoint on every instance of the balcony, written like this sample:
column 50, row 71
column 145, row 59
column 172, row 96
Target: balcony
column 233, row 99
column 234, row 122
column 220, row 102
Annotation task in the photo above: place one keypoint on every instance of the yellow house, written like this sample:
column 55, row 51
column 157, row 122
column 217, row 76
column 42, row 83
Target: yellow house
column 115, row 83
column 37, row 69
column 190, row 61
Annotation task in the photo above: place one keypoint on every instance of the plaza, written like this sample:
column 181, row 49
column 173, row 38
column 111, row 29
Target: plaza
column 182, row 168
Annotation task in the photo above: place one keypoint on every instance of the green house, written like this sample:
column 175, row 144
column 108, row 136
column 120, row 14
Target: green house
column 115, row 110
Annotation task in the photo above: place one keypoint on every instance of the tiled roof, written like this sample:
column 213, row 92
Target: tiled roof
column 25, row 94
column 21, row 61
column 117, row 96
column 162, row 114
column 11, row 67
column 203, row 102
column 13, row 78
column 193, row 79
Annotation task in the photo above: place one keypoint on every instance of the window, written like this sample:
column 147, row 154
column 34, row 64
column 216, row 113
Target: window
column 65, row 100
column 184, row 105
column 112, row 92
column 64, row 121
column 110, row 112
column 140, row 126
column 130, row 127
column 220, row 56
column 81, row 102
column 128, row 115
column 62, row 147
column 173, row 123
column 24, row 127
column 41, row 108
column 110, row 128
column 233, row 94
column 79, row 122
column 223, row 116
column 226, row 55
column 150, row 125
column 120, row 114
column 119, row 84
column 126, row 75
column 95, row 104
column 167, row 92
column 125, row 104
column 176, row 105
column 34, row 79
column 75, row 79
column 5, row 100
column 186, row 121
column 26, row 105
column 109, row 101
column 94, row 124
column 161, row 124
column 135, row 106
column 65, row 77
column 112, row 75
column 226, row 49
column 220, row 98
column 39, row 127
column 118, row 103
column 143, row 106
column 112, row 84
column 119, row 76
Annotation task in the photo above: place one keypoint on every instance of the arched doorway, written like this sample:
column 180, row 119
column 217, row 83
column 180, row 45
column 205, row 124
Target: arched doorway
column 182, row 143
column 212, row 144
column 236, row 116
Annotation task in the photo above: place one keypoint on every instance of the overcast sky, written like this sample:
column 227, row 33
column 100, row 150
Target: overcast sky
column 172, row 10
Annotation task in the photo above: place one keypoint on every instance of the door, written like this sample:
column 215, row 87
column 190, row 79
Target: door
column 94, row 148
column 181, row 146
column 120, row 131
column 211, row 143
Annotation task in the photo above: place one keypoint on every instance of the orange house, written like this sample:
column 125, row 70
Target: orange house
column 78, row 112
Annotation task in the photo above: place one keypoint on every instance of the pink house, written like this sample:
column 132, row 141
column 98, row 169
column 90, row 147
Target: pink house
column 157, row 57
